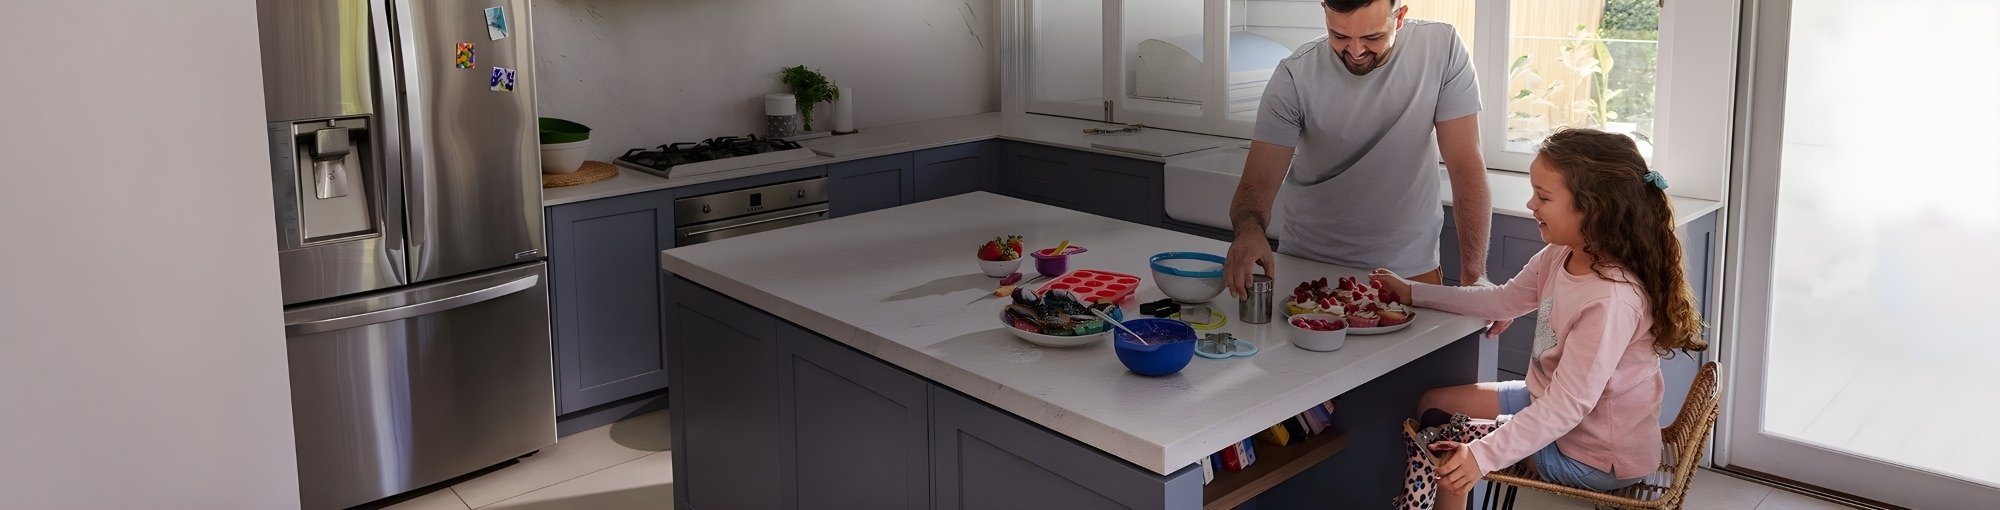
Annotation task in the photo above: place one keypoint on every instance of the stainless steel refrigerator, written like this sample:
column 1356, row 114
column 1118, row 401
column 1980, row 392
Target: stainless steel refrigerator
column 404, row 172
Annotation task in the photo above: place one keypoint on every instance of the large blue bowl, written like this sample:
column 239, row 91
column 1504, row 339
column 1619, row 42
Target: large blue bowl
column 1173, row 347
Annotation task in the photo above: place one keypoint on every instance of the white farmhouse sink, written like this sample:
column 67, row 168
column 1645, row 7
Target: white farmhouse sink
column 1199, row 189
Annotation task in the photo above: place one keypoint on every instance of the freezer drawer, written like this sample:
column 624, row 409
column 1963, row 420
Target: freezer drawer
column 395, row 391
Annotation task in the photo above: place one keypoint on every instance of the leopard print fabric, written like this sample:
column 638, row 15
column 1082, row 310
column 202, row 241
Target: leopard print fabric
column 1420, row 487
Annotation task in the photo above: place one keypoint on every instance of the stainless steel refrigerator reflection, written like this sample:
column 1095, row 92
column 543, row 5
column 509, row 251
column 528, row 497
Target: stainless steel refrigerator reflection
column 405, row 177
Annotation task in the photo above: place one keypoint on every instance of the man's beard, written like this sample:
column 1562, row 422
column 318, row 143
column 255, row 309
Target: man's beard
column 1373, row 63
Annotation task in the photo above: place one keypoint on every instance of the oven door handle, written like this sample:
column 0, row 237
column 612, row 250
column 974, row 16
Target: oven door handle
column 696, row 233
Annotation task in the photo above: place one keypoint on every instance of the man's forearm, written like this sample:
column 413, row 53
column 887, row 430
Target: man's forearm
column 1246, row 214
column 1472, row 210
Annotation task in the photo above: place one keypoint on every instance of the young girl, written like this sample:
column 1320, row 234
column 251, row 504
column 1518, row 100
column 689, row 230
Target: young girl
column 1613, row 301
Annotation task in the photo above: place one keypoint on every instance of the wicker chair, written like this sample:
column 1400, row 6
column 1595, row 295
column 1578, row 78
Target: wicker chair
column 1665, row 489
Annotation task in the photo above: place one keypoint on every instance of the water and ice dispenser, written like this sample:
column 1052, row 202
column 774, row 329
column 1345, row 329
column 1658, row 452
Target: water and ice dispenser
column 324, row 176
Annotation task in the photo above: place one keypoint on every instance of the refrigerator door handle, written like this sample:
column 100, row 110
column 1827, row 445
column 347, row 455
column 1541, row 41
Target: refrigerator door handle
column 389, row 115
column 304, row 327
column 417, row 165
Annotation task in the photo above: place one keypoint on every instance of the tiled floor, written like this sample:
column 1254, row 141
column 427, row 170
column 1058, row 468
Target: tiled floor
column 626, row 466
column 622, row 466
column 1711, row 490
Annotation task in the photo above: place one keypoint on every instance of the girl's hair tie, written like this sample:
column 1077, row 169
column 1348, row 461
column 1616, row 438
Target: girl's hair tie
column 1654, row 178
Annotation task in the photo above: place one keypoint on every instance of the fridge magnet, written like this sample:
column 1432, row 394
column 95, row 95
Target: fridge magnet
column 465, row 58
column 502, row 81
column 496, row 23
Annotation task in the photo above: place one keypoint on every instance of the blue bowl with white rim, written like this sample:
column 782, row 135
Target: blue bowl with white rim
column 1188, row 277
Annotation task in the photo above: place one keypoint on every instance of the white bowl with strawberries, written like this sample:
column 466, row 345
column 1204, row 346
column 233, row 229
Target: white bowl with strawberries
column 1001, row 256
column 1367, row 307
column 1317, row 331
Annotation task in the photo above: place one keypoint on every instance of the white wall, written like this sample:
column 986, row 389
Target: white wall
column 142, row 356
column 643, row 73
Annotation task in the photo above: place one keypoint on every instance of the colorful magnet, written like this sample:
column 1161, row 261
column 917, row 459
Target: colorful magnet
column 496, row 23
column 465, row 58
column 502, row 81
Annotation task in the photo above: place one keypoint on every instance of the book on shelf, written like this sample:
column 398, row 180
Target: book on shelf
column 1277, row 435
column 1207, row 469
column 1238, row 456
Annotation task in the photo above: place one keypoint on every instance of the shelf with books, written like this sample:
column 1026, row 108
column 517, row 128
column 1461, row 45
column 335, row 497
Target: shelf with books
column 1274, row 465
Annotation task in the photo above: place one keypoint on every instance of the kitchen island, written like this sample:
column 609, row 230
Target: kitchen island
column 846, row 364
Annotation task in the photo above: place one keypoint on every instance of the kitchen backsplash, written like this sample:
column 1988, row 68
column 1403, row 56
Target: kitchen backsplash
column 645, row 72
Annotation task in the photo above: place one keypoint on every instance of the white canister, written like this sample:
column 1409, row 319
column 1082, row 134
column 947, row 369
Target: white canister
column 843, row 114
column 781, row 115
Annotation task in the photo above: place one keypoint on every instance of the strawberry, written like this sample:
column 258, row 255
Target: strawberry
column 1014, row 242
column 1000, row 249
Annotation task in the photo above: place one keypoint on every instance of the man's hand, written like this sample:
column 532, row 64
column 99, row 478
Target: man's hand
column 1250, row 215
column 1459, row 471
column 1250, row 249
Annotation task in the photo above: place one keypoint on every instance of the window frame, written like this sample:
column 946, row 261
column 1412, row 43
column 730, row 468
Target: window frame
column 1696, row 59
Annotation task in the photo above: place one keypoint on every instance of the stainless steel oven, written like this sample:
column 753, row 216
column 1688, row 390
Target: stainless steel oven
column 705, row 218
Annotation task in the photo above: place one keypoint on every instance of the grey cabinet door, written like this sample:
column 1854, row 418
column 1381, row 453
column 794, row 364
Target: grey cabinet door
column 954, row 170
column 1514, row 242
column 1127, row 189
column 856, row 187
column 725, row 379
column 605, row 298
column 1041, row 174
column 1123, row 188
column 855, row 432
column 985, row 459
column 1698, row 258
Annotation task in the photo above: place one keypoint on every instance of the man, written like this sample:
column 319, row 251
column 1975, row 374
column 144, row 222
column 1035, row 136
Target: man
column 1351, row 115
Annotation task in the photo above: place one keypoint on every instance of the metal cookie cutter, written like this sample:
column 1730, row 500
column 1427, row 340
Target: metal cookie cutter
column 1224, row 346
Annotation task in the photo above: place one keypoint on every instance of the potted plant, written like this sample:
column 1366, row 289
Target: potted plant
column 811, row 88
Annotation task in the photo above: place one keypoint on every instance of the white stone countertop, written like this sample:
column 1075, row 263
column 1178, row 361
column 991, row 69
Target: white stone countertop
column 896, row 284
column 1510, row 190
column 1041, row 129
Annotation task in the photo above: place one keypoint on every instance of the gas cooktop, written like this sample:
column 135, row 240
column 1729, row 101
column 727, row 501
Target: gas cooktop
column 713, row 155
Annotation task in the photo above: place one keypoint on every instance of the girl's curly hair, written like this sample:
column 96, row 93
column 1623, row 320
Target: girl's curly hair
column 1629, row 221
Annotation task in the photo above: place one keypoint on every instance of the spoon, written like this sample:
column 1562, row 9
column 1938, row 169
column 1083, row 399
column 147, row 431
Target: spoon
column 1058, row 251
column 1107, row 318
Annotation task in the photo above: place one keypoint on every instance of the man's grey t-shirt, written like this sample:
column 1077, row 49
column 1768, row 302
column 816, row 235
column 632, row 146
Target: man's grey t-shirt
column 1363, row 188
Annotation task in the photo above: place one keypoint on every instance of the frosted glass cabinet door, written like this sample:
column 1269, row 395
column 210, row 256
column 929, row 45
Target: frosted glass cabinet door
column 1064, row 57
column 1162, row 48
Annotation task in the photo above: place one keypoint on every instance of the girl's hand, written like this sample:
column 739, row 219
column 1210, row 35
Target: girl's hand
column 1392, row 282
column 1460, row 471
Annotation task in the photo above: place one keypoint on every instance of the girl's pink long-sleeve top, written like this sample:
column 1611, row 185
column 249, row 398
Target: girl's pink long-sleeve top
column 1597, row 389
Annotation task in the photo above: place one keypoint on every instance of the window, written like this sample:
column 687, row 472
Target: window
column 1543, row 64
column 1579, row 63
column 1065, row 70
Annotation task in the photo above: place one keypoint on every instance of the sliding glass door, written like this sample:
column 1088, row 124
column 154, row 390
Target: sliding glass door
column 1863, row 311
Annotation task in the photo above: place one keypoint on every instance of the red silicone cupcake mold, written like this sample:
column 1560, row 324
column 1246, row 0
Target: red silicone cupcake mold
column 1094, row 286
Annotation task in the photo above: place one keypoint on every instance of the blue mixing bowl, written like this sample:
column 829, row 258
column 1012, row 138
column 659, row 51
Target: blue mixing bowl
column 1172, row 345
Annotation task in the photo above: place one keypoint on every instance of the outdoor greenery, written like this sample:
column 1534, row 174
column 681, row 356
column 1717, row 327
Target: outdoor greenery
column 1633, row 20
column 1618, row 97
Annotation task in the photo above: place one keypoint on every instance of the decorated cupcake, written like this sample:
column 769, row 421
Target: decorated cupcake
column 1393, row 313
column 1364, row 319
